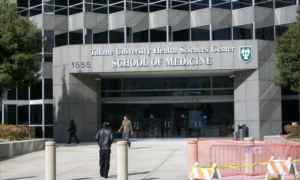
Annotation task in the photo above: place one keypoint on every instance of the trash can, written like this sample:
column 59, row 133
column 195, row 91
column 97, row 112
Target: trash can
column 241, row 131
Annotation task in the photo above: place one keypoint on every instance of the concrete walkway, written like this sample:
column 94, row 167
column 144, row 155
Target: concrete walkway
column 148, row 160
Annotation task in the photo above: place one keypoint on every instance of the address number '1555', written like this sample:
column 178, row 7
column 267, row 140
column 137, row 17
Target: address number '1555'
column 81, row 65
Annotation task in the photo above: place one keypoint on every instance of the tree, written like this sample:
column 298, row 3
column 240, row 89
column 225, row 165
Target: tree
column 20, row 43
column 287, row 50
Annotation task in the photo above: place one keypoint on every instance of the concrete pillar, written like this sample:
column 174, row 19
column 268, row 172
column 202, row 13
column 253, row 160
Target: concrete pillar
column 249, row 156
column 50, row 160
column 192, row 150
column 122, row 153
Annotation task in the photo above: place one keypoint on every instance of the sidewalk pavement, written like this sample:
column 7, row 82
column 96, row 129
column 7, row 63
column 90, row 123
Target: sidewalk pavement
column 148, row 160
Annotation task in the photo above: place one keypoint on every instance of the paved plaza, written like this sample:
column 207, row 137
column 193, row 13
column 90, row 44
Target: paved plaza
column 148, row 160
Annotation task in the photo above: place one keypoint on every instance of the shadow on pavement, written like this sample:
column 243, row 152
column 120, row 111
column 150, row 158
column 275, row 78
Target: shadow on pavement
column 140, row 148
column 131, row 174
column 22, row 178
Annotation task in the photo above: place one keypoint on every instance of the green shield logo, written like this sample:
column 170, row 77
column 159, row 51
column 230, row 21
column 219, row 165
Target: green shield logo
column 246, row 53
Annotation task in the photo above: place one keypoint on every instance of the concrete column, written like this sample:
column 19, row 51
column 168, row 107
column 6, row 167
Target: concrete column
column 122, row 157
column 249, row 156
column 192, row 150
column 50, row 160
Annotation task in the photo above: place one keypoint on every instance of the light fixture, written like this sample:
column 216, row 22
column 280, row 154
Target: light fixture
column 98, row 79
column 232, row 76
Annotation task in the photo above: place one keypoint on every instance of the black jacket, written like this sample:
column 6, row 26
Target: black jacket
column 104, row 138
column 72, row 128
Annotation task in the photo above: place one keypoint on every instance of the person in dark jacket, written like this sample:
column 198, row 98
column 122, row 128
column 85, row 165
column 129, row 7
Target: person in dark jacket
column 72, row 131
column 104, row 138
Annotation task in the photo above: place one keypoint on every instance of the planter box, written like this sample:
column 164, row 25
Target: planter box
column 15, row 148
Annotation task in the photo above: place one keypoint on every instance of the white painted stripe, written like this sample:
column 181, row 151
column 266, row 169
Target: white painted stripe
column 206, row 174
column 270, row 169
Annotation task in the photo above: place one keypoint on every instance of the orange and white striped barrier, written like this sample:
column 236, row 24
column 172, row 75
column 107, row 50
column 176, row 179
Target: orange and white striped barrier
column 281, row 167
column 205, row 173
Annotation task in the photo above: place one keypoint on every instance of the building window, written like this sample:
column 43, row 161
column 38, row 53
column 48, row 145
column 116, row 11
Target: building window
column 158, row 34
column 181, row 34
column 47, row 57
column 243, row 32
column 180, row 5
column 48, row 131
column 116, row 7
column 48, row 114
column 116, row 36
column 238, row 4
column 10, row 114
column 23, row 93
column 201, row 33
column 48, row 41
column 76, row 37
column 140, row 35
column 61, row 39
column 264, row 3
column 199, row 4
column 100, row 37
column 22, row 111
column 221, row 4
column 36, row 91
column 284, row 3
column 48, row 88
column 280, row 30
column 36, row 114
column 38, row 132
column 221, row 33
column 11, row 94
column 290, row 110
column 265, row 33
column 157, row 5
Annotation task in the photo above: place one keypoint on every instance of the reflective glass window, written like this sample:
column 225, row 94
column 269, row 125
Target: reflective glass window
column 243, row 32
column 100, row 38
column 37, row 132
column 199, row 5
column 36, row 114
column 36, row 91
column 61, row 39
column 72, row 2
column 181, row 35
column 11, row 94
column 200, row 34
column 34, row 2
column 22, row 3
column 280, row 30
column 48, row 89
column 222, row 34
column 264, row 3
column 48, row 41
column 48, row 114
column 141, row 36
column 157, row 6
column 111, row 84
column 265, row 33
column 222, row 82
column 75, row 9
column 237, row 4
column 288, row 91
column 48, row 131
column 10, row 114
column 23, row 115
column 48, row 58
column 35, row 11
column 23, row 93
column 158, row 35
column 116, row 36
column 76, row 37
column 290, row 110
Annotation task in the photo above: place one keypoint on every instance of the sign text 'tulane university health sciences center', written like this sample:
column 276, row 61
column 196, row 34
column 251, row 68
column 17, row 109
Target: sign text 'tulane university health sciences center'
column 200, row 57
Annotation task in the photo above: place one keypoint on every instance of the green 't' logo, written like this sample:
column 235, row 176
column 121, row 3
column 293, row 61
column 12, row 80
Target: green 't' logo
column 246, row 53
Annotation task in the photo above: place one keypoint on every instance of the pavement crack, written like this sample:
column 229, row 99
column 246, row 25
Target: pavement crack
column 163, row 162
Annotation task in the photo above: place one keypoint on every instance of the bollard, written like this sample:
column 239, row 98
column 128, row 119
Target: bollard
column 249, row 156
column 50, row 160
column 192, row 150
column 122, row 160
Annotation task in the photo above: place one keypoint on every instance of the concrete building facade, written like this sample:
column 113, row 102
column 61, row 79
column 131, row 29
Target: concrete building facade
column 176, row 68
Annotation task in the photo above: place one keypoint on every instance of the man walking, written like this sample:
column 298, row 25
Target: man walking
column 126, row 124
column 72, row 131
column 104, row 138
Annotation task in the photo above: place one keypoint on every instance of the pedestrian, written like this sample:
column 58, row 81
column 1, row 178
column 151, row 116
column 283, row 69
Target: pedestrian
column 72, row 131
column 104, row 138
column 126, row 125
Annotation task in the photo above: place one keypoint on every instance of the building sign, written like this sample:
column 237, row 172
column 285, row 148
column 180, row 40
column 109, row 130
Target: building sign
column 246, row 53
column 198, row 56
